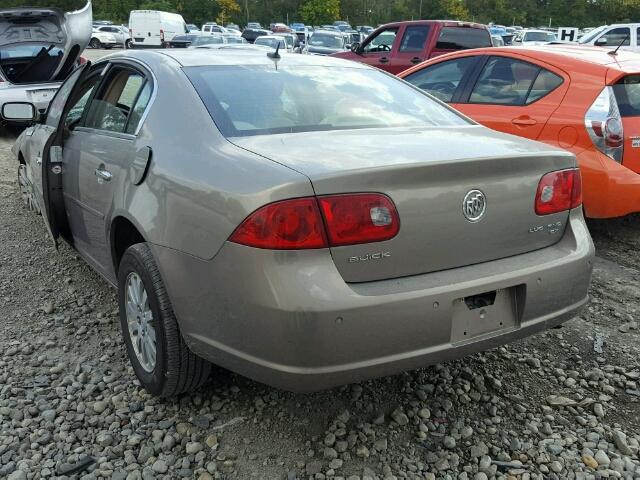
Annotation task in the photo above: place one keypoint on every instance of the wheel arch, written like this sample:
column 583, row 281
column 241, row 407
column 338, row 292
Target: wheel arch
column 123, row 233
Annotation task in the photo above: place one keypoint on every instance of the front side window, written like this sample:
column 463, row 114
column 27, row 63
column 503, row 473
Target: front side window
column 442, row 79
column 615, row 37
column 414, row 38
column 56, row 107
column 382, row 42
column 462, row 38
column 259, row 100
column 110, row 109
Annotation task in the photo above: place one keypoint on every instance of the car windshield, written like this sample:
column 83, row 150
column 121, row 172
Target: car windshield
column 259, row 100
column 270, row 42
column 587, row 37
column 25, row 51
column 326, row 40
column 207, row 40
column 539, row 37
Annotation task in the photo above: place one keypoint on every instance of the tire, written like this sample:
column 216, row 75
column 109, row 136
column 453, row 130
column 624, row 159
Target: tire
column 176, row 369
column 95, row 43
column 128, row 44
column 27, row 190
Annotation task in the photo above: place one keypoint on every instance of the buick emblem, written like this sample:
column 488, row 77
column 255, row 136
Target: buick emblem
column 474, row 205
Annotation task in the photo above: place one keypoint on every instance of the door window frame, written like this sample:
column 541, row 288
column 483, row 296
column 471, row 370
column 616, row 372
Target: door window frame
column 474, row 76
column 370, row 39
column 107, row 68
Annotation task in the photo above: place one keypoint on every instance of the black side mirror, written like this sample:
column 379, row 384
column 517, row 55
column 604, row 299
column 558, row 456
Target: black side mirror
column 355, row 47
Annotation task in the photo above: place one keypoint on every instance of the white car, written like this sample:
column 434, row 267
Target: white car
column 100, row 39
column 36, row 57
column 533, row 37
column 623, row 35
column 120, row 33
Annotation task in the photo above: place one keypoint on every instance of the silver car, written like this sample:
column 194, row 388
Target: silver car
column 39, row 47
column 302, row 220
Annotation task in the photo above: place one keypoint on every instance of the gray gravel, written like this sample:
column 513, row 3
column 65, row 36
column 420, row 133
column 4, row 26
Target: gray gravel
column 545, row 407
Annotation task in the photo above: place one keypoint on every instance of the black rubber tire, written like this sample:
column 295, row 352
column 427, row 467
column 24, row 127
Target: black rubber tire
column 177, row 369
column 95, row 43
column 128, row 44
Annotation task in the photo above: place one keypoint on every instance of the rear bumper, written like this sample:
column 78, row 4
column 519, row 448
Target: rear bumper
column 610, row 189
column 289, row 320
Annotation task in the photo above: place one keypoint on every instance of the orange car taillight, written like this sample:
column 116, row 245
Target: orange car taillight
column 559, row 191
column 604, row 125
column 325, row 221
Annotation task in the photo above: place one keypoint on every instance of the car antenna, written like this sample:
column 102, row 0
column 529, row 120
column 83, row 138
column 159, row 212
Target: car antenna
column 613, row 53
column 275, row 56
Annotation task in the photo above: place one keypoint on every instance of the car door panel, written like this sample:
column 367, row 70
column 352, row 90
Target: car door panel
column 526, row 120
column 381, row 56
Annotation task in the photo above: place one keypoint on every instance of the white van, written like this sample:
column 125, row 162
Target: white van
column 623, row 35
column 152, row 28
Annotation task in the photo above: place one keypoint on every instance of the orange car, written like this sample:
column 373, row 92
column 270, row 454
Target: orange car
column 583, row 99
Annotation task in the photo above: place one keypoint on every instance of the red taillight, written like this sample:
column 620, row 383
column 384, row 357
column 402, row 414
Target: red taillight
column 290, row 224
column 604, row 125
column 332, row 220
column 359, row 218
column 161, row 35
column 82, row 60
column 559, row 191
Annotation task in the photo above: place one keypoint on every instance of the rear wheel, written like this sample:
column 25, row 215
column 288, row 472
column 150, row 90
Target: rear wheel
column 160, row 358
column 95, row 43
column 128, row 44
column 27, row 191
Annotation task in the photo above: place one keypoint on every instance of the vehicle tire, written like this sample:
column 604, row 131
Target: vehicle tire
column 95, row 43
column 128, row 44
column 160, row 358
column 108, row 47
column 27, row 191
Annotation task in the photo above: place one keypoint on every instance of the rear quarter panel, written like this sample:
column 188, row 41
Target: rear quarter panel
column 199, row 186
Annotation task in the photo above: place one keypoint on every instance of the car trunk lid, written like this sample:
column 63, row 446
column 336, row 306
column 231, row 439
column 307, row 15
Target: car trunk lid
column 42, row 44
column 427, row 173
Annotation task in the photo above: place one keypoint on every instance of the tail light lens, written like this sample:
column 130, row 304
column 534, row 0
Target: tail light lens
column 359, row 218
column 161, row 35
column 81, row 60
column 604, row 125
column 559, row 191
column 326, row 221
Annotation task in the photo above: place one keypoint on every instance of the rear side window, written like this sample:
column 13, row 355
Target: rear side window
column 506, row 81
column 442, row 80
column 414, row 38
column 627, row 92
column 461, row 38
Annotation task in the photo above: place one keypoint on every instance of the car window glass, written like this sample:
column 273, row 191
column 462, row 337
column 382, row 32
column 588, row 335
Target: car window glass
column 545, row 83
column 84, row 92
column 139, row 108
column 615, row 37
column 414, row 38
column 110, row 109
column 56, row 106
column 382, row 42
column 442, row 80
column 504, row 81
column 461, row 38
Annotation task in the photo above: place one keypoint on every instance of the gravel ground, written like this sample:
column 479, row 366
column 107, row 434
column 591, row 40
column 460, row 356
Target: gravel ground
column 562, row 404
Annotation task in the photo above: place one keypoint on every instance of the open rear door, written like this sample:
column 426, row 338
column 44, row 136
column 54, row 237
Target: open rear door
column 47, row 141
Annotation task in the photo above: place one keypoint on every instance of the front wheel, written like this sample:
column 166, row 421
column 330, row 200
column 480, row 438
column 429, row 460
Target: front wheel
column 95, row 43
column 160, row 358
column 27, row 190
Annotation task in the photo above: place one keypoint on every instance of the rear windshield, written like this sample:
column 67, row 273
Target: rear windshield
column 539, row 37
column 25, row 51
column 461, row 38
column 627, row 93
column 326, row 40
column 258, row 100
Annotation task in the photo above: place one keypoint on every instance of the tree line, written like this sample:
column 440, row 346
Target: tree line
column 573, row 13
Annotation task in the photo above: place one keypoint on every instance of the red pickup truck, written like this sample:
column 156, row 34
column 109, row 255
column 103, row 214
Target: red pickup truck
column 394, row 47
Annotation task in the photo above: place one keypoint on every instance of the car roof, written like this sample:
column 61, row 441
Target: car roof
column 563, row 56
column 444, row 23
column 231, row 57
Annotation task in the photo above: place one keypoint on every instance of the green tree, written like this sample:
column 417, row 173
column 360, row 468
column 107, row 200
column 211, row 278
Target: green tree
column 227, row 9
column 317, row 12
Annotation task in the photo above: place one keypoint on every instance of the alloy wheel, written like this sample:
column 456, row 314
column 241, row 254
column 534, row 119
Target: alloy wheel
column 140, row 322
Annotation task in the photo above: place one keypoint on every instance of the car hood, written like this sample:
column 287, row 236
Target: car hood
column 69, row 31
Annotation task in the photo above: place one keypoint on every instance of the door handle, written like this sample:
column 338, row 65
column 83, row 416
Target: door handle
column 103, row 174
column 39, row 160
column 416, row 60
column 384, row 60
column 524, row 121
